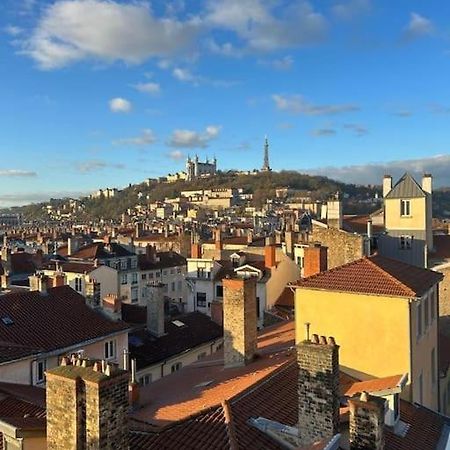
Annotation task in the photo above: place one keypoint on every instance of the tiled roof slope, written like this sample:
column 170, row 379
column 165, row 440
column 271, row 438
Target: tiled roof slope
column 198, row 329
column 375, row 275
column 165, row 260
column 52, row 321
column 406, row 187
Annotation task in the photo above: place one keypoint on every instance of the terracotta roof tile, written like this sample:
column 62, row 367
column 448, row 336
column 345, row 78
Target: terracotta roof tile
column 374, row 385
column 375, row 275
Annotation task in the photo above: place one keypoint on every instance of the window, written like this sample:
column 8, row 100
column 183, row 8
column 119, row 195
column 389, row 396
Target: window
column 134, row 277
column 201, row 356
column 180, row 286
column 257, row 307
column 300, row 261
column 178, row 269
column 124, row 279
column 134, row 263
column 405, row 242
column 78, row 284
column 405, row 207
column 123, row 264
column 110, row 349
column 158, row 274
column 201, row 299
column 172, row 271
column 134, row 294
column 145, row 380
column 41, row 366
column 165, row 272
column 419, row 320
column 151, row 275
column 144, row 276
column 175, row 367
column 219, row 291
column 433, row 368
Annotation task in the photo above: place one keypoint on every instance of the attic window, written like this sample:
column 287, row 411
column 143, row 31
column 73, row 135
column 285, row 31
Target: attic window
column 7, row 320
column 178, row 323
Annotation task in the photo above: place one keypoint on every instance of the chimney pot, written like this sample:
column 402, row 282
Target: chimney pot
column 323, row 340
column 331, row 341
column 315, row 339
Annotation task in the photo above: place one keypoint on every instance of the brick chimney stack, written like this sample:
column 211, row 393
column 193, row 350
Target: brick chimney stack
column 239, row 321
column 315, row 260
column 155, row 309
column 366, row 422
column 318, row 389
column 196, row 250
column 150, row 253
column 87, row 405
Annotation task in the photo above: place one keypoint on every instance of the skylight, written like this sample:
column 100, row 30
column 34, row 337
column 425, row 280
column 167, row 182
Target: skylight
column 7, row 320
column 178, row 323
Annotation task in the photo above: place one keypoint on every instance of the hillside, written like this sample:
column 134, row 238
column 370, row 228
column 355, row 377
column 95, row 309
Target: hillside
column 261, row 185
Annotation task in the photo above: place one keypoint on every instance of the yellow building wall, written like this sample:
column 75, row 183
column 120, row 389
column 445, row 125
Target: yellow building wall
column 376, row 335
column 417, row 219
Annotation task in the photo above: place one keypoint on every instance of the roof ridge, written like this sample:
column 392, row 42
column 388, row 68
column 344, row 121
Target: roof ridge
column 229, row 423
column 390, row 276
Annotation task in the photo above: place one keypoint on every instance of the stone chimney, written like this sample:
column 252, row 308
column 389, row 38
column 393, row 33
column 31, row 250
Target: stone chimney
column 72, row 246
column 87, row 405
column 239, row 321
column 366, row 422
column 155, row 309
column 150, row 253
column 289, row 242
column 387, row 185
column 427, row 183
column 315, row 260
column 270, row 252
column 334, row 212
column 38, row 282
column 318, row 389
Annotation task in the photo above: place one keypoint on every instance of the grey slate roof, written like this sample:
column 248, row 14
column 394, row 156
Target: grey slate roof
column 406, row 187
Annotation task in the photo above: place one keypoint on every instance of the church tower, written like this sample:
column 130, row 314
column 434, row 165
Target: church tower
column 266, row 165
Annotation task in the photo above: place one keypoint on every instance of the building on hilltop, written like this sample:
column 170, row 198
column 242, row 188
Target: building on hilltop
column 196, row 169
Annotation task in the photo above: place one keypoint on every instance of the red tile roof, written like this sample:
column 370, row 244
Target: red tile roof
column 374, row 385
column 375, row 275
column 48, row 322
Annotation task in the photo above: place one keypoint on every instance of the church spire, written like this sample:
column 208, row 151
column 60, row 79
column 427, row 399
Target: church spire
column 266, row 165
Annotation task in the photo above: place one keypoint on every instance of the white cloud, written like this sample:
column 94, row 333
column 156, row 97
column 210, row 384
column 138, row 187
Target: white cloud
column 17, row 199
column 105, row 30
column 349, row 9
column 17, row 173
column 176, row 155
column 418, row 26
column 94, row 165
column 13, row 30
column 148, row 88
column 120, row 105
column 372, row 173
column 357, row 129
column 296, row 104
column 283, row 63
column 147, row 137
column 267, row 26
column 324, row 132
column 194, row 139
column 183, row 74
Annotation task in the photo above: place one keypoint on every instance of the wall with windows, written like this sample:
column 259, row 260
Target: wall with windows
column 155, row 372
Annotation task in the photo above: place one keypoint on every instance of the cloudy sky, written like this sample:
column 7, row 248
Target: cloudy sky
column 98, row 93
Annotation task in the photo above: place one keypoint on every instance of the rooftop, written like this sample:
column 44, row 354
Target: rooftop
column 375, row 275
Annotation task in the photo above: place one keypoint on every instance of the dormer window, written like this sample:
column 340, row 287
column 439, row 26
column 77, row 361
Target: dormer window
column 405, row 208
column 405, row 242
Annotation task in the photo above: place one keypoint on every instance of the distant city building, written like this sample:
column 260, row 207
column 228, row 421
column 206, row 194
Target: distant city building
column 266, row 165
column 105, row 193
column 10, row 220
column 196, row 169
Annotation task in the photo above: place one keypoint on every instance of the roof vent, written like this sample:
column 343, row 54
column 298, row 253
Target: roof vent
column 7, row 320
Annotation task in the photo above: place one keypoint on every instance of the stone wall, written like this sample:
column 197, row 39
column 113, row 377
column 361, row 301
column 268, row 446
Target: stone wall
column 343, row 247
column 239, row 321
column 444, row 302
column 318, row 389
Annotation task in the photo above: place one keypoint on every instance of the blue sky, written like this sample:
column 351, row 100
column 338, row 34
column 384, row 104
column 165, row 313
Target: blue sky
column 99, row 93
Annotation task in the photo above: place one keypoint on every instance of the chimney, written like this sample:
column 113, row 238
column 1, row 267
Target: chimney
column 38, row 282
column 138, row 230
column 315, row 260
column 196, row 250
column 249, row 236
column 334, row 212
column 289, row 242
column 155, row 309
column 218, row 239
column 270, row 255
column 427, row 183
column 239, row 321
column 387, row 185
column 318, row 389
column 217, row 312
column 72, row 246
column 87, row 405
column 112, row 306
column 59, row 279
column 133, row 387
column 366, row 422
column 150, row 253
column 369, row 228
